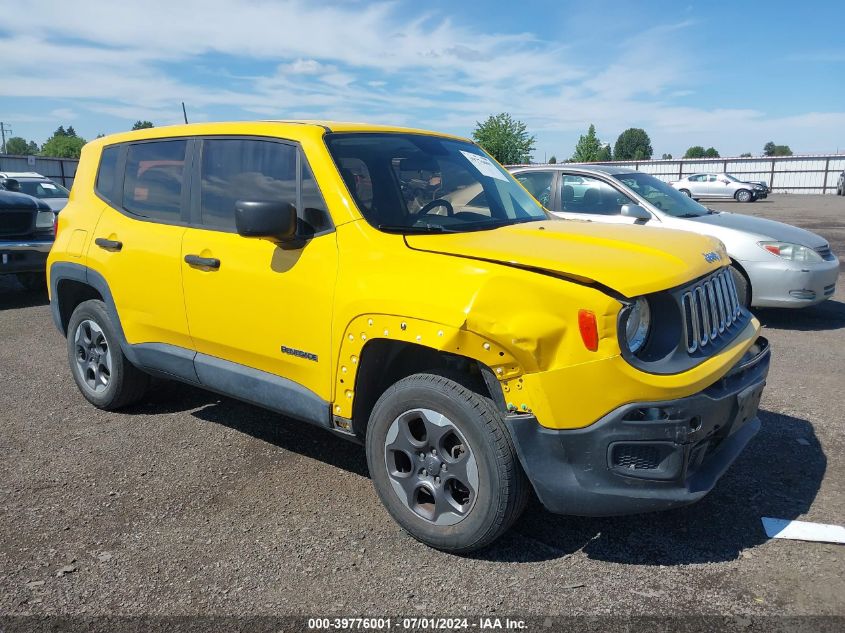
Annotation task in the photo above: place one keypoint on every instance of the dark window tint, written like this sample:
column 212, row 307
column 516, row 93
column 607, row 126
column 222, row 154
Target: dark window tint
column 106, row 172
column 538, row 183
column 155, row 172
column 236, row 169
column 356, row 175
column 315, row 214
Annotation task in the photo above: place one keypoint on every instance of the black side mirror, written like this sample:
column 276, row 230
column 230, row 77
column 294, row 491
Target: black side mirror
column 635, row 211
column 272, row 220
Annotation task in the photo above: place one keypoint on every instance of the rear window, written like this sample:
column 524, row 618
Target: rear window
column 106, row 172
column 155, row 175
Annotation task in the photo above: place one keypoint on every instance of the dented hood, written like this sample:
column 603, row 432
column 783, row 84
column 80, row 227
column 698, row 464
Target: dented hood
column 632, row 260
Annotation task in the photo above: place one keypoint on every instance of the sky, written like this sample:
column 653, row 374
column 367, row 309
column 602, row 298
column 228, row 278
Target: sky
column 732, row 75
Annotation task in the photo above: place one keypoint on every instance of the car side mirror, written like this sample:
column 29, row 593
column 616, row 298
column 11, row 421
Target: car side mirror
column 271, row 220
column 635, row 211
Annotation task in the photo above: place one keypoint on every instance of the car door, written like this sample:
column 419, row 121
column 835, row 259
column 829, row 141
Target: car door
column 588, row 198
column 254, row 304
column 138, row 237
column 697, row 185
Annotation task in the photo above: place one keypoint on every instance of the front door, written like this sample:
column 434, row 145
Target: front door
column 254, row 302
column 588, row 198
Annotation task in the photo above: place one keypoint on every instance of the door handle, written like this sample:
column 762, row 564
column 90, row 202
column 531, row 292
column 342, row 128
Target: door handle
column 202, row 262
column 109, row 245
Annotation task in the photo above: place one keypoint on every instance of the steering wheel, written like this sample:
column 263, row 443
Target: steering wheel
column 437, row 202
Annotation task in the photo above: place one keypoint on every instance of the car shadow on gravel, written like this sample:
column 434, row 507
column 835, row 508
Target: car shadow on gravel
column 778, row 475
column 829, row 315
column 14, row 296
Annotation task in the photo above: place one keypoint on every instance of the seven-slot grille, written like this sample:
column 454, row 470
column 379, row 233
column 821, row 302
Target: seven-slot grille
column 710, row 307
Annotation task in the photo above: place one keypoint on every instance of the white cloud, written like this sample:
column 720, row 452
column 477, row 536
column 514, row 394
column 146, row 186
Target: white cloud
column 366, row 61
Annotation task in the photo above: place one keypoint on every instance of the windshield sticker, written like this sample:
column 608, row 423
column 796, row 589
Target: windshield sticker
column 48, row 185
column 483, row 164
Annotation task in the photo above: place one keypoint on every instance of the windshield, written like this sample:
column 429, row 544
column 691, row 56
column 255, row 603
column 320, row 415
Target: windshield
column 664, row 197
column 43, row 189
column 420, row 183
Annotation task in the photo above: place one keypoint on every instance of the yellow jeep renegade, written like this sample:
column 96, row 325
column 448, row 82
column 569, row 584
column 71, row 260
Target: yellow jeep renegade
column 399, row 288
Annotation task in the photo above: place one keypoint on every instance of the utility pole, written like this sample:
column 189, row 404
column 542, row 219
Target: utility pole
column 3, row 129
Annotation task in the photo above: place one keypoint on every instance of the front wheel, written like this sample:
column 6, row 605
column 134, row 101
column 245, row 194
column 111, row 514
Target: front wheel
column 743, row 195
column 443, row 463
column 743, row 288
column 103, row 374
column 686, row 192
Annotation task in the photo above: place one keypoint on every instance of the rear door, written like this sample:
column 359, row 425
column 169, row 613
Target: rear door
column 138, row 238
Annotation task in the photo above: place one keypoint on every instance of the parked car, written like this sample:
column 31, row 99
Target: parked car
column 475, row 345
column 34, row 184
column 26, row 235
column 720, row 186
column 773, row 264
column 840, row 185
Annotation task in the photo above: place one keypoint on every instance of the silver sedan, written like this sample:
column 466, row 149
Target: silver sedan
column 700, row 186
column 773, row 264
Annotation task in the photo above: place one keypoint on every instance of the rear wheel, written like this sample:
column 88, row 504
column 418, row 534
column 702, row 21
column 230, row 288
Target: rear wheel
column 743, row 288
column 103, row 374
column 744, row 195
column 686, row 192
column 444, row 464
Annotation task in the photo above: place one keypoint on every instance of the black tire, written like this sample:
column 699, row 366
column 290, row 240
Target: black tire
column 125, row 383
column 503, row 488
column 32, row 281
column 686, row 192
column 744, row 195
column 743, row 287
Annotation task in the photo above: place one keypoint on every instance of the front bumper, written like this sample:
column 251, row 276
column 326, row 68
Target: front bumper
column 782, row 284
column 24, row 256
column 645, row 456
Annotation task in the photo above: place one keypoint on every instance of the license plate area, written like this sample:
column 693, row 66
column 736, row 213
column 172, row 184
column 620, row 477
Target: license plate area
column 747, row 401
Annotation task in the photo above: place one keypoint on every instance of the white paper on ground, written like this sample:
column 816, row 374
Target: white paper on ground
column 483, row 164
column 803, row 530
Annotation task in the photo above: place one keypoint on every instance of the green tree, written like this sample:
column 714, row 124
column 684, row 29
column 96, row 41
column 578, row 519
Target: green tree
column 770, row 149
column 666, row 157
column 588, row 147
column 552, row 159
column 71, row 131
column 64, row 145
column 505, row 139
column 633, row 144
column 745, row 155
column 20, row 147
column 142, row 125
column 696, row 151
column 711, row 152
column 604, row 153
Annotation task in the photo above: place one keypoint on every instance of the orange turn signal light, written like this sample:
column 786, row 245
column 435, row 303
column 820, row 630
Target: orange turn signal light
column 589, row 329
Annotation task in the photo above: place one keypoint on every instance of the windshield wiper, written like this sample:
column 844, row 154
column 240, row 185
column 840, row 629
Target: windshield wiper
column 403, row 228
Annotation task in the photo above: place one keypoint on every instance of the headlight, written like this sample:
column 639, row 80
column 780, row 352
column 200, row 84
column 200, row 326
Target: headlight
column 792, row 252
column 637, row 325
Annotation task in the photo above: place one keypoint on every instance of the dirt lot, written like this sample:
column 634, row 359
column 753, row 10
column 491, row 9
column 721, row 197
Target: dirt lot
column 193, row 504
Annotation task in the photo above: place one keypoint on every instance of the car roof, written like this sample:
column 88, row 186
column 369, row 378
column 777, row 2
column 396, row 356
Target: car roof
column 298, row 129
column 21, row 174
column 580, row 167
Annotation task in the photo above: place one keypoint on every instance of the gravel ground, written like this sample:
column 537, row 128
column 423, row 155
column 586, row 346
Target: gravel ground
column 194, row 504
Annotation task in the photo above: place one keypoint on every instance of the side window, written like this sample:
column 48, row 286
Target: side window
column 155, row 174
column 243, row 169
column 711, row 178
column 106, row 172
column 583, row 194
column 539, row 184
column 696, row 178
column 314, row 214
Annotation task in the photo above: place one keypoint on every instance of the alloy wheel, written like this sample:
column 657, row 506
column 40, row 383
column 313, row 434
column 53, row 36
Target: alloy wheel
column 93, row 356
column 431, row 466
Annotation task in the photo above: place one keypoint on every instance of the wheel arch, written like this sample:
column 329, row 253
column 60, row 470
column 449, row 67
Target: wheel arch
column 735, row 263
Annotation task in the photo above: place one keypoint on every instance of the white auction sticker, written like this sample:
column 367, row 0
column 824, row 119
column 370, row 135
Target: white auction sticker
column 48, row 185
column 483, row 164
